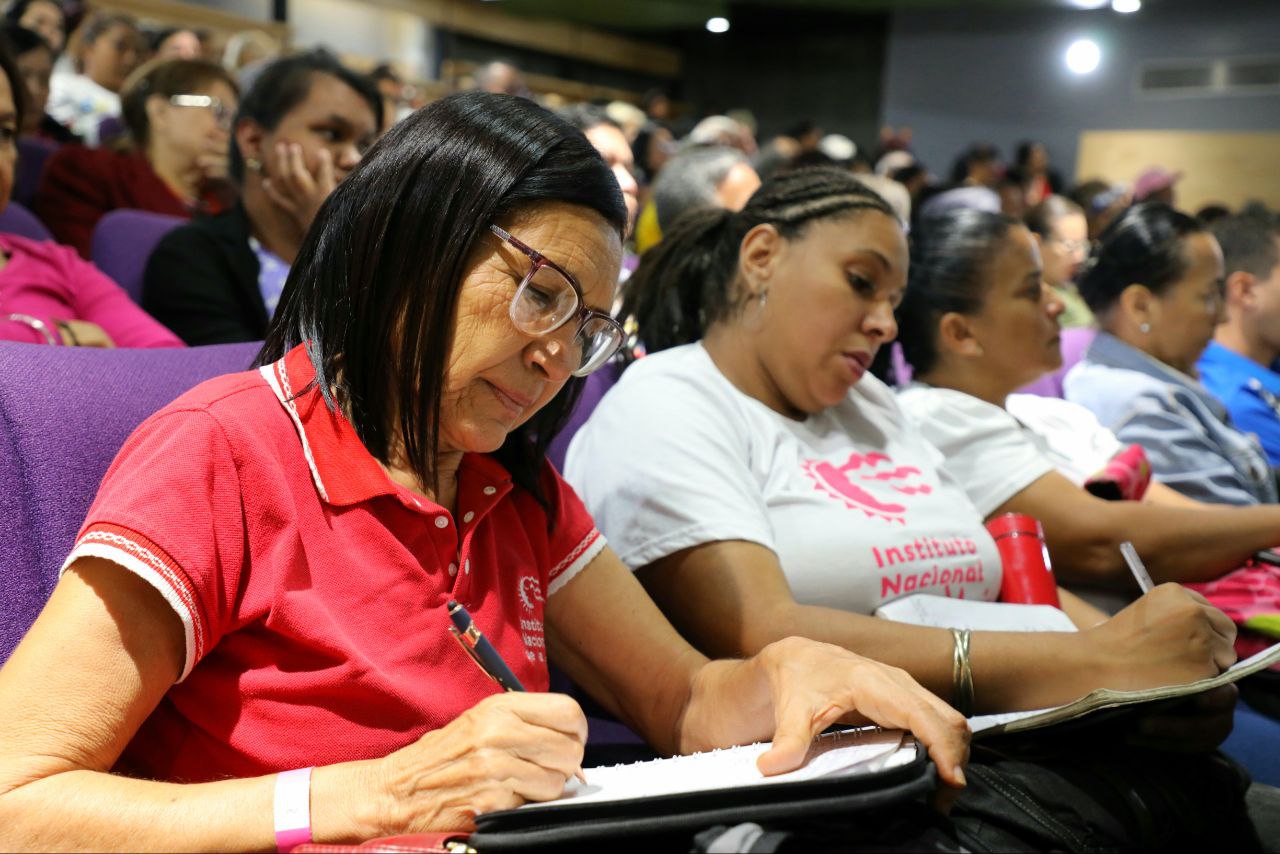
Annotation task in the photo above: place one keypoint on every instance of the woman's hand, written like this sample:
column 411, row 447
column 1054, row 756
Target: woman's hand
column 815, row 685
column 1168, row 637
column 297, row 190
column 82, row 333
column 504, row 751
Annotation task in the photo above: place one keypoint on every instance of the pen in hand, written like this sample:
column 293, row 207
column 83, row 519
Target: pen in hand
column 1136, row 566
column 483, row 654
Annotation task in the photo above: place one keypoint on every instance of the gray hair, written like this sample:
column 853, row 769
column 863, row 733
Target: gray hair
column 689, row 181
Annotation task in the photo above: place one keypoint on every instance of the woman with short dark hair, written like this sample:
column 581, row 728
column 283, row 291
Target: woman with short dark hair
column 44, row 17
column 1155, row 284
column 261, row 585
column 303, row 126
column 178, row 113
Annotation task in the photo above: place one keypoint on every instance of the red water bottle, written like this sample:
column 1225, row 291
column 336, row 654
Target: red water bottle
column 1028, row 575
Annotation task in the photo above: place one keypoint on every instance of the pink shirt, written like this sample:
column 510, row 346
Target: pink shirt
column 52, row 282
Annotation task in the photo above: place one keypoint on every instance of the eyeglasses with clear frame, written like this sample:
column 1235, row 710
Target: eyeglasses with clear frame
column 548, row 297
column 222, row 113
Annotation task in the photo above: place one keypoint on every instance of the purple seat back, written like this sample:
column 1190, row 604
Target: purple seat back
column 123, row 241
column 64, row 412
column 16, row 219
column 1074, row 344
column 597, row 384
column 32, row 154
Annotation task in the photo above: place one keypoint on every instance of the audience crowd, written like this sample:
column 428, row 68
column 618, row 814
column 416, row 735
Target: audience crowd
column 825, row 354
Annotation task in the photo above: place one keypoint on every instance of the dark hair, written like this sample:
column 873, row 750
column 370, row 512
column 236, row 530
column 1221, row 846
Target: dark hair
column 19, row 41
column 981, row 152
column 19, row 89
column 586, row 116
column 99, row 25
column 1040, row 219
column 686, row 283
column 804, row 127
column 1144, row 246
column 166, row 78
column 1211, row 213
column 384, row 72
column 374, row 289
column 14, row 11
column 1248, row 244
column 1022, row 155
column 949, row 258
column 286, row 83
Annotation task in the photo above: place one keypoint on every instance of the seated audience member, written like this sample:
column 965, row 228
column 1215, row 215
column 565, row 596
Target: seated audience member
column 1102, row 204
column 43, row 17
column 247, row 51
column 175, row 43
column 1032, row 172
column 1061, row 233
column 606, row 136
column 974, row 178
column 1154, row 283
column 703, row 177
column 107, row 53
column 976, row 324
column 1156, row 185
column 747, row 424
column 1239, row 365
column 896, row 194
column 178, row 112
column 396, row 100
column 48, row 294
column 762, row 485
column 303, row 126
column 257, row 492
column 34, row 58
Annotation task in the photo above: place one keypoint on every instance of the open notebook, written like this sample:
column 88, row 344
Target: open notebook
column 846, row 753
column 939, row 611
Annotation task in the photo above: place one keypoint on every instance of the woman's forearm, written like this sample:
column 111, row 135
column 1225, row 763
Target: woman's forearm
column 1008, row 667
column 96, row 811
column 1177, row 544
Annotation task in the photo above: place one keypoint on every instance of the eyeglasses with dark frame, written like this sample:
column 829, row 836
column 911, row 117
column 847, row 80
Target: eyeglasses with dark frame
column 548, row 297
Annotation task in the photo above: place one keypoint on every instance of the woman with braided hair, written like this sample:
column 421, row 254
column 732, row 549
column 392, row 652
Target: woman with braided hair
column 762, row 484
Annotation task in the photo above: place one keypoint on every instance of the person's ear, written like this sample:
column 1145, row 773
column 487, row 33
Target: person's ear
column 1239, row 290
column 956, row 335
column 1139, row 306
column 249, row 138
column 759, row 255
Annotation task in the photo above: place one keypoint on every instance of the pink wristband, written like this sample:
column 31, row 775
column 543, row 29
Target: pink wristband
column 293, row 809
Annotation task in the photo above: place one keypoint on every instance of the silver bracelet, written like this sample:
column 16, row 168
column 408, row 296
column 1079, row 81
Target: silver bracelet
column 35, row 323
column 961, row 673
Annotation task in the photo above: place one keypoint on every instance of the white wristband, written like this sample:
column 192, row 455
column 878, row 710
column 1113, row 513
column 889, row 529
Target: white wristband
column 293, row 809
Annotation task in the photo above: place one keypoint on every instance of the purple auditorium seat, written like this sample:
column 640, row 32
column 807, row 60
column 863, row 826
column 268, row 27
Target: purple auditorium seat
column 123, row 241
column 597, row 384
column 32, row 155
column 16, row 219
column 64, row 412
column 1074, row 344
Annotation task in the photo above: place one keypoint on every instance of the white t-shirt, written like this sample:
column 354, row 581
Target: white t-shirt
column 852, row 500
column 81, row 104
column 996, row 453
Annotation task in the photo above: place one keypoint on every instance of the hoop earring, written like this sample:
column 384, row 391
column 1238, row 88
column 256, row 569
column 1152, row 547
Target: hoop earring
column 1144, row 327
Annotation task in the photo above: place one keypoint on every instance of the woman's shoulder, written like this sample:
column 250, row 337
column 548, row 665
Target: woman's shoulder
column 926, row 403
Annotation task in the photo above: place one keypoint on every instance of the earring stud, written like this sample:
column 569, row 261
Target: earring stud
column 1145, row 327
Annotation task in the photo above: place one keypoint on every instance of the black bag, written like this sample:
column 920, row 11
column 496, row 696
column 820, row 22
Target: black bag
column 1097, row 795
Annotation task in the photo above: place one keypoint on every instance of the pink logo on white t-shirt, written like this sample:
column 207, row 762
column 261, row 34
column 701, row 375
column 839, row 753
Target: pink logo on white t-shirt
column 836, row 482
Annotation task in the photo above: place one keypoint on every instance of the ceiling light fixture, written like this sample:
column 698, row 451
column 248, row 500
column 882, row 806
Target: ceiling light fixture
column 1126, row 7
column 1083, row 56
column 717, row 25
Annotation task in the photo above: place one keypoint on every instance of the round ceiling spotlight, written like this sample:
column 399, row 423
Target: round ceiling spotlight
column 717, row 25
column 1126, row 7
column 1083, row 56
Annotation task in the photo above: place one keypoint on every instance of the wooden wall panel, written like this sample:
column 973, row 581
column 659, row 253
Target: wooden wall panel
column 1225, row 167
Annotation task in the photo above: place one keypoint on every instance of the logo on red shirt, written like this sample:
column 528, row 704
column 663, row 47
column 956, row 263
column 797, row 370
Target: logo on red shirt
column 529, row 589
column 870, row 483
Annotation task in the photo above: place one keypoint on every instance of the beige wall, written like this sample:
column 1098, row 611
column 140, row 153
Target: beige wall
column 1228, row 168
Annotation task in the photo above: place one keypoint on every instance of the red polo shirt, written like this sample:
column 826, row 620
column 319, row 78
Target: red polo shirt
column 310, row 586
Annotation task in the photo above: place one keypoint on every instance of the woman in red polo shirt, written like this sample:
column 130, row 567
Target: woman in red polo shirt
column 261, row 582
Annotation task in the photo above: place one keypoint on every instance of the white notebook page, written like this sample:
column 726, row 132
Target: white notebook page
column 853, row 751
